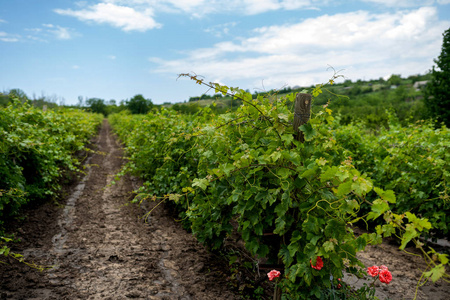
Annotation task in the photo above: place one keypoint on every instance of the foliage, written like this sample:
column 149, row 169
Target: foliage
column 245, row 171
column 413, row 161
column 437, row 96
column 36, row 148
column 97, row 106
column 139, row 105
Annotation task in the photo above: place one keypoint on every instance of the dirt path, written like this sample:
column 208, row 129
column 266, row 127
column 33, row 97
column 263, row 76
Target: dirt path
column 101, row 249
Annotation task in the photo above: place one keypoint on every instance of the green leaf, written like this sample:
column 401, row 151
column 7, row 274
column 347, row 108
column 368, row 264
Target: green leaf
column 275, row 156
column 174, row 197
column 419, row 224
column 361, row 243
column 436, row 273
column 362, row 186
column 312, row 224
column 293, row 272
column 296, row 236
column 328, row 246
column 227, row 168
column 329, row 174
column 201, row 183
column 409, row 234
column 309, row 172
column 335, row 229
column 388, row 195
column 334, row 257
column 287, row 138
column 344, row 188
column 286, row 256
column 283, row 172
column 310, row 250
column 280, row 224
column 308, row 131
column 379, row 207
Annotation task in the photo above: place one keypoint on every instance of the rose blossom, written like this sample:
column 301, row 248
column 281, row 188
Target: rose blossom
column 319, row 263
column 273, row 274
column 385, row 276
column 373, row 271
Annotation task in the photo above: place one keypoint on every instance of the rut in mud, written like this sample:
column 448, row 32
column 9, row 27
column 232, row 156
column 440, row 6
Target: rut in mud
column 100, row 248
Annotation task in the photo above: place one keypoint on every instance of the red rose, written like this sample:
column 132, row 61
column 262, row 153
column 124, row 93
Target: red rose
column 385, row 276
column 273, row 274
column 319, row 263
column 373, row 271
column 383, row 267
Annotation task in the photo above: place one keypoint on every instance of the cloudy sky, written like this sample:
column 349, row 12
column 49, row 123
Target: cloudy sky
column 115, row 49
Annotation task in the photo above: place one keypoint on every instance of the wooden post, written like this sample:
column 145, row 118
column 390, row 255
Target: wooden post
column 302, row 113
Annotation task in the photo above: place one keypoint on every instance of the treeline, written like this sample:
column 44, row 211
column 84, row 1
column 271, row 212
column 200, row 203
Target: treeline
column 370, row 101
column 136, row 105
column 359, row 101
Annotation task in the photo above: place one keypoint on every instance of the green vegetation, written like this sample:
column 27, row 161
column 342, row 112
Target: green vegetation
column 38, row 147
column 413, row 161
column 245, row 171
column 139, row 105
column 437, row 96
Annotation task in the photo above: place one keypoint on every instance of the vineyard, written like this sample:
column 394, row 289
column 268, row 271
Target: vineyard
column 38, row 149
column 295, row 202
column 266, row 187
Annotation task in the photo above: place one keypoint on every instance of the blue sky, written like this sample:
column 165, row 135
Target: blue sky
column 115, row 49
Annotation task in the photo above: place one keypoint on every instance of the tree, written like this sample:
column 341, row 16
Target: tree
column 139, row 105
column 19, row 94
column 97, row 105
column 395, row 79
column 437, row 91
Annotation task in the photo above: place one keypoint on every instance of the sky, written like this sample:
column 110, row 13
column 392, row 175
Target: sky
column 116, row 49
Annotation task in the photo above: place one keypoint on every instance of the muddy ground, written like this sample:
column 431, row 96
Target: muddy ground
column 100, row 248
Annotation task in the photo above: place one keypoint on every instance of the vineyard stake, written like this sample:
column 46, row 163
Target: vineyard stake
column 302, row 112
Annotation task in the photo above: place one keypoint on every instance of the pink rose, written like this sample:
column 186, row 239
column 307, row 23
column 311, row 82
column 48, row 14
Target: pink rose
column 273, row 274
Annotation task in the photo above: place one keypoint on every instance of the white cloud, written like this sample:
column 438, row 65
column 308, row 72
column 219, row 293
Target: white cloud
column 365, row 44
column 75, row 67
column 50, row 30
column 112, row 57
column 81, row 3
column 34, row 29
column 200, row 8
column 221, row 29
column 402, row 3
column 126, row 18
column 9, row 38
column 61, row 33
